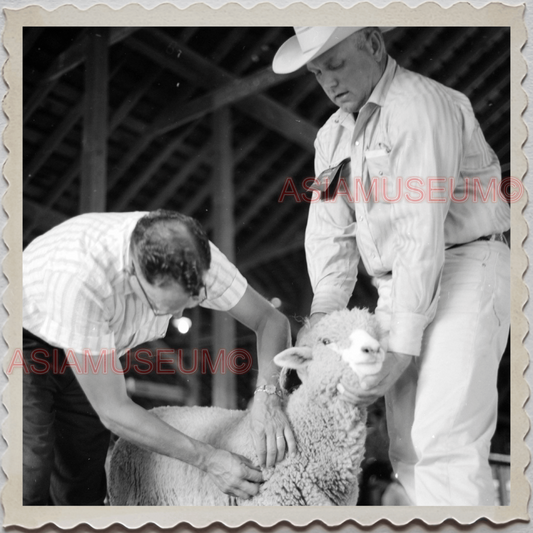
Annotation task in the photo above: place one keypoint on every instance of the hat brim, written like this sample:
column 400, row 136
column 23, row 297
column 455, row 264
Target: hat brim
column 290, row 58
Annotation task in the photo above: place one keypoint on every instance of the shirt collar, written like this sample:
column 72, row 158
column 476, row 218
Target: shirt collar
column 379, row 94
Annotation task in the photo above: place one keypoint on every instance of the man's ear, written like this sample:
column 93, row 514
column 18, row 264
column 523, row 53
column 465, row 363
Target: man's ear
column 377, row 45
column 297, row 357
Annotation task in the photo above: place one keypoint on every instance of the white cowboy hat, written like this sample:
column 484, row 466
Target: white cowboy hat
column 308, row 43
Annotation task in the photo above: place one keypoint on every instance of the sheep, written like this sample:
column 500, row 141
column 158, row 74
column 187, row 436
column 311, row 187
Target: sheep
column 329, row 430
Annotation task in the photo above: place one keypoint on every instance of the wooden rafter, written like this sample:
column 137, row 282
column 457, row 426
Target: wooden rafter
column 74, row 169
column 246, row 59
column 248, row 262
column 47, row 217
column 177, row 115
column 194, row 203
column 76, row 54
column 172, row 186
column 144, row 177
column 52, row 142
column 142, row 142
column 225, row 47
column 134, row 96
column 283, row 210
column 69, row 59
column 273, row 190
column 203, row 73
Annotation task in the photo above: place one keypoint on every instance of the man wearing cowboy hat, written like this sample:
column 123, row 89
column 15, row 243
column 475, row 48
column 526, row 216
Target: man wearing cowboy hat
column 410, row 212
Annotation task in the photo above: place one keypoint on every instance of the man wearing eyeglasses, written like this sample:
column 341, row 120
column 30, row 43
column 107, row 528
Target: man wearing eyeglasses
column 109, row 282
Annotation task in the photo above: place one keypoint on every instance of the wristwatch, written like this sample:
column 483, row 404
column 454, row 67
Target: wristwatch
column 269, row 389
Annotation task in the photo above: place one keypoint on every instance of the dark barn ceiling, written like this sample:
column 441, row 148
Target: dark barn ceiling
column 164, row 85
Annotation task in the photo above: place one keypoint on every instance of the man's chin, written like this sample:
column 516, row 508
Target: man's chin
column 349, row 107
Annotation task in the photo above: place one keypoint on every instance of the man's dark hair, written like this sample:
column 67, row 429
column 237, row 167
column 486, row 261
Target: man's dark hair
column 171, row 246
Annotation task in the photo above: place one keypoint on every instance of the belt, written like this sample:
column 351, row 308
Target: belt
column 496, row 237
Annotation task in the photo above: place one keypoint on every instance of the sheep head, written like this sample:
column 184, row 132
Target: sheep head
column 341, row 342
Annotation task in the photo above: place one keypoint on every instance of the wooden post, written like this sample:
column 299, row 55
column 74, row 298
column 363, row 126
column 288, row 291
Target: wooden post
column 194, row 379
column 94, row 154
column 224, row 385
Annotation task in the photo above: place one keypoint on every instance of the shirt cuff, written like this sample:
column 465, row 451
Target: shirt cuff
column 329, row 299
column 406, row 331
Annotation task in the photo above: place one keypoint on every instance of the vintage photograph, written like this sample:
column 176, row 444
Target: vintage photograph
column 266, row 265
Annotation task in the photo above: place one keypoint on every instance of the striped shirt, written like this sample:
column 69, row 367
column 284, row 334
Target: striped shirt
column 76, row 289
column 391, row 211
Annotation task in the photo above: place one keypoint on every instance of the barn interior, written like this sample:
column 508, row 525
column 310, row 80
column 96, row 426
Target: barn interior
column 193, row 119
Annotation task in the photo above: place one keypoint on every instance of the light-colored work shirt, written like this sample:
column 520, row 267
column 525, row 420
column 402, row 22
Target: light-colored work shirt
column 420, row 146
column 76, row 289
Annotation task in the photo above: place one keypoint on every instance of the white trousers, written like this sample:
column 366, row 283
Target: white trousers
column 441, row 414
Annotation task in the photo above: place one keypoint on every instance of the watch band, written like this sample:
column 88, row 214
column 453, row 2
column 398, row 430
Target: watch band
column 269, row 389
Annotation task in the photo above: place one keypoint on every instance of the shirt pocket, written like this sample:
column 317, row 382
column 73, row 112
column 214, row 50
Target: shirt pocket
column 378, row 167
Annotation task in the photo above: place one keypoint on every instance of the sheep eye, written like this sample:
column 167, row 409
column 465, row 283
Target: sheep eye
column 325, row 342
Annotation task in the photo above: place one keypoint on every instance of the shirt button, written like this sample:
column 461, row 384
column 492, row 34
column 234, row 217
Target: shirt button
column 381, row 172
column 356, row 143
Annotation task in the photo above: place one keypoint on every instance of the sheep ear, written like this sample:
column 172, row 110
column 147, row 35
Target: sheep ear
column 296, row 357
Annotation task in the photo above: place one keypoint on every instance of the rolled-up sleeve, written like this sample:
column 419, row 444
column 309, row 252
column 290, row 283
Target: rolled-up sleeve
column 225, row 285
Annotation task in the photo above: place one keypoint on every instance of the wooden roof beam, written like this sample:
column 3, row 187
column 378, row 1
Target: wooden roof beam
column 283, row 210
column 142, row 142
column 202, row 72
column 171, row 187
column 246, row 59
column 239, row 155
column 52, row 142
column 134, row 96
column 69, row 59
column 74, row 169
column 47, row 218
column 56, row 137
column 238, row 89
column 144, row 177
column 274, row 189
column 76, row 54
column 247, row 261
column 287, row 235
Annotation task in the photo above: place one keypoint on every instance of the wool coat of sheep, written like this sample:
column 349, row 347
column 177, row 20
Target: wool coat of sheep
column 330, row 431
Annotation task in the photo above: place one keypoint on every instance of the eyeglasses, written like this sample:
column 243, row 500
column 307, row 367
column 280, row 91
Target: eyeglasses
column 158, row 312
column 155, row 310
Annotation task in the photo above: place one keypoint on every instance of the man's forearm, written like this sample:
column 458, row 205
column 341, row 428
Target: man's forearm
column 272, row 337
column 145, row 430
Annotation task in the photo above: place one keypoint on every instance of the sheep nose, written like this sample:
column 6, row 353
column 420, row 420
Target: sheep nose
column 364, row 355
column 373, row 350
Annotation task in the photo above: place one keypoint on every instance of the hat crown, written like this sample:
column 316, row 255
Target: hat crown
column 311, row 37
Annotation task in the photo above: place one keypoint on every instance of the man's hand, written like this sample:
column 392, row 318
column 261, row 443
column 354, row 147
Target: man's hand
column 375, row 386
column 233, row 474
column 271, row 431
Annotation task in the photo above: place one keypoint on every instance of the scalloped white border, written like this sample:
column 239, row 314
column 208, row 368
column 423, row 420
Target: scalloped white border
column 200, row 517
